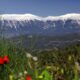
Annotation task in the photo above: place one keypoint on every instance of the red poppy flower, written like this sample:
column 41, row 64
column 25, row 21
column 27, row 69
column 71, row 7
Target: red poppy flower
column 1, row 61
column 6, row 59
column 28, row 77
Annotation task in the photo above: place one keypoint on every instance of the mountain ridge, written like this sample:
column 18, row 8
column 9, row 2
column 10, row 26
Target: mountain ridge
column 21, row 24
column 34, row 17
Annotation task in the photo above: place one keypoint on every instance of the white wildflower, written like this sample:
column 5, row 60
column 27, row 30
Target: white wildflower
column 77, row 66
column 25, row 72
column 35, row 58
column 20, row 74
column 76, row 63
column 28, row 55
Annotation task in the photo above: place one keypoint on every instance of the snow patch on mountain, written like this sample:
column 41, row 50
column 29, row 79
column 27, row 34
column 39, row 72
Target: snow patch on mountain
column 19, row 17
column 73, row 16
column 13, row 19
column 22, row 17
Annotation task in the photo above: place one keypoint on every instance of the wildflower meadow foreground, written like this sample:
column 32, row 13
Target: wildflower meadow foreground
column 18, row 63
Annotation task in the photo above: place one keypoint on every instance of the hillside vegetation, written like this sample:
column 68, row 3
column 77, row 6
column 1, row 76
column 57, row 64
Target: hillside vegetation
column 56, row 64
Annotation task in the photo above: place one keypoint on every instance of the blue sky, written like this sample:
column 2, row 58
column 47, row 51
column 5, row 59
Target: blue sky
column 40, row 7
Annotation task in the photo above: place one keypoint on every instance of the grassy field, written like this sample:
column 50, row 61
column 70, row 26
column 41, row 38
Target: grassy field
column 57, row 64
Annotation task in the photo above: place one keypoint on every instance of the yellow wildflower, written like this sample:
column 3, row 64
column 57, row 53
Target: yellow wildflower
column 11, row 77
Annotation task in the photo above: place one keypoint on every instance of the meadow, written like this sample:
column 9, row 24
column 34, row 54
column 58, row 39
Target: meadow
column 18, row 63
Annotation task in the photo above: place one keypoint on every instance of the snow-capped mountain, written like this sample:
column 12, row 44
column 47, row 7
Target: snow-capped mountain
column 20, row 24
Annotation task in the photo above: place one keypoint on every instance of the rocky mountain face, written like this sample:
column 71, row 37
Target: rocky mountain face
column 12, row 25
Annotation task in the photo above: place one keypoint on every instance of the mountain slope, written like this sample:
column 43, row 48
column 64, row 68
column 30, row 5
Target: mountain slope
column 20, row 24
